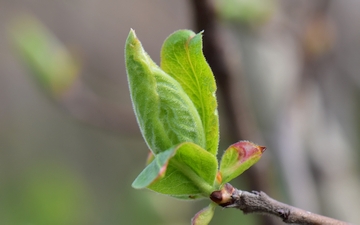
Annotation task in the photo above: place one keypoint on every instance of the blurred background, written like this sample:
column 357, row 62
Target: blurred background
column 288, row 78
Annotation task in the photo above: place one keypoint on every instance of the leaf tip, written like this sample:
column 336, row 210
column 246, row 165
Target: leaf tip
column 136, row 185
column 262, row 148
column 132, row 36
column 132, row 32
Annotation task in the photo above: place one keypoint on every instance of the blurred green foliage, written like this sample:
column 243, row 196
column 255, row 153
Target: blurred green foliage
column 247, row 12
column 46, row 194
column 51, row 63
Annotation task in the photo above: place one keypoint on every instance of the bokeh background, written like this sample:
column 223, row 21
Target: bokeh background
column 69, row 154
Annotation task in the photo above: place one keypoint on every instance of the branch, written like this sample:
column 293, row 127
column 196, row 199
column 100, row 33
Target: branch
column 259, row 202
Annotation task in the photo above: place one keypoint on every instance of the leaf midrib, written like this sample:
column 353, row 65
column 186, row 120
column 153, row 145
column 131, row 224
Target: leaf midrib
column 203, row 117
column 204, row 187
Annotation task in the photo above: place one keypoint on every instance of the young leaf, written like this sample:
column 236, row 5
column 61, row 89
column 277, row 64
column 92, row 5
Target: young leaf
column 238, row 158
column 182, row 59
column 165, row 113
column 186, row 171
column 204, row 216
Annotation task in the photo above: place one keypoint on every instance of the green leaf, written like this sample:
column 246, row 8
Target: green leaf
column 165, row 113
column 186, row 171
column 204, row 216
column 238, row 158
column 182, row 59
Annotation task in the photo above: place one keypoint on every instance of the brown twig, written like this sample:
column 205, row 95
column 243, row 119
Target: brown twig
column 259, row 202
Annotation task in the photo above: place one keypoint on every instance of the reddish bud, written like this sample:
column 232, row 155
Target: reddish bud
column 223, row 197
column 216, row 197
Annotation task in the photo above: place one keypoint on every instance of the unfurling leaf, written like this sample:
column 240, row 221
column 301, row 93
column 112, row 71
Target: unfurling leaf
column 182, row 58
column 238, row 158
column 165, row 113
column 186, row 171
column 204, row 216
